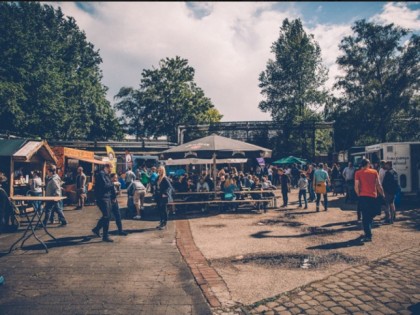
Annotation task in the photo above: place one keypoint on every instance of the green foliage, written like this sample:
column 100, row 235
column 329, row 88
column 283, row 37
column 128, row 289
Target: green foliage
column 167, row 97
column 380, row 86
column 50, row 80
column 292, row 85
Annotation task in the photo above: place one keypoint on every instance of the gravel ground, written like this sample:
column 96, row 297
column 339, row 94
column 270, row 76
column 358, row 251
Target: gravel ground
column 258, row 254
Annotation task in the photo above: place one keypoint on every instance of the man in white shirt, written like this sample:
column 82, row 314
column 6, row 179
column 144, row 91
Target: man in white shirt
column 129, row 176
column 348, row 174
column 382, row 172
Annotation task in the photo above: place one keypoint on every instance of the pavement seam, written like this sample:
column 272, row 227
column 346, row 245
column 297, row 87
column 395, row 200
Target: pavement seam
column 204, row 274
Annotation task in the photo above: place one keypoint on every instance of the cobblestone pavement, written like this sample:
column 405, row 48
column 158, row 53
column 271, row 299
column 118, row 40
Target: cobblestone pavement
column 142, row 273
column 390, row 285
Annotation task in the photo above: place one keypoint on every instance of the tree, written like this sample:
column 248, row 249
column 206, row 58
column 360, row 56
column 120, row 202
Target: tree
column 380, row 85
column 167, row 97
column 50, row 80
column 292, row 84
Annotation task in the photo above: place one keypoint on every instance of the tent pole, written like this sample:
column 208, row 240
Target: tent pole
column 214, row 174
column 12, row 176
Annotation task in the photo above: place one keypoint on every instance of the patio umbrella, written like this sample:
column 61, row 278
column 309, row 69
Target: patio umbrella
column 290, row 160
column 216, row 147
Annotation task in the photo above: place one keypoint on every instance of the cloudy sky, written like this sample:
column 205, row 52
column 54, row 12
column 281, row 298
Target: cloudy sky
column 227, row 43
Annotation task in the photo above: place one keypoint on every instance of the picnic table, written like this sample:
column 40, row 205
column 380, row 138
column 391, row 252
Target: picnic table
column 248, row 197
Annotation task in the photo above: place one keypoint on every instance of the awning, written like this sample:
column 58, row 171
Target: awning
column 9, row 146
column 84, row 159
column 194, row 161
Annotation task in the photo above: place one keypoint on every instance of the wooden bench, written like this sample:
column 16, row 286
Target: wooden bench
column 221, row 203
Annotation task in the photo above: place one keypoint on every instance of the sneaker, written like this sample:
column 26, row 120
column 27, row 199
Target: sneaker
column 122, row 233
column 326, row 209
column 317, row 209
column 107, row 239
column 366, row 239
column 306, row 207
column 63, row 223
column 300, row 206
column 96, row 232
column 162, row 227
column 137, row 217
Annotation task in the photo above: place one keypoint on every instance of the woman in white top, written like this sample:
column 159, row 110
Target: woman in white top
column 36, row 190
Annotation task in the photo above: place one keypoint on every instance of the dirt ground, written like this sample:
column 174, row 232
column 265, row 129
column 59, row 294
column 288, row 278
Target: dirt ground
column 260, row 255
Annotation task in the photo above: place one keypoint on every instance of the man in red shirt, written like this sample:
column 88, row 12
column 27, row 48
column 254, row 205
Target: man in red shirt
column 367, row 186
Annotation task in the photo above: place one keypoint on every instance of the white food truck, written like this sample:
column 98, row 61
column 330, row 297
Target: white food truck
column 405, row 157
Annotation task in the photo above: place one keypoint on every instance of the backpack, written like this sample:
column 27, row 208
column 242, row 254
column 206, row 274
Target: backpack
column 390, row 182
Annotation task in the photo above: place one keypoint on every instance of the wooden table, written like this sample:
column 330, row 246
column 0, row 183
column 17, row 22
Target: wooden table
column 36, row 216
column 219, row 201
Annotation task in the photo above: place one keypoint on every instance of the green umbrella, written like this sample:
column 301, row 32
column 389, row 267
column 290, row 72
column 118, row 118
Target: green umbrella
column 290, row 160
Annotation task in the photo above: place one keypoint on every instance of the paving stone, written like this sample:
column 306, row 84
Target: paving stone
column 272, row 304
column 337, row 310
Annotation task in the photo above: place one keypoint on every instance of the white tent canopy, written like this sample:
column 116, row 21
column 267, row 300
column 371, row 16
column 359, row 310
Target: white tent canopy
column 195, row 161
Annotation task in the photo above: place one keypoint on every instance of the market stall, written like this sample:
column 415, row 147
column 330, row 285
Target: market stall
column 20, row 158
column 68, row 160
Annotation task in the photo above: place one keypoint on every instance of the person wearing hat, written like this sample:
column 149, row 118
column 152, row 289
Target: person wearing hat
column 105, row 194
column 53, row 189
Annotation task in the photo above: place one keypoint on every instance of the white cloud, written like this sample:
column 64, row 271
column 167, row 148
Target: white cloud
column 227, row 43
column 329, row 38
column 400, row 14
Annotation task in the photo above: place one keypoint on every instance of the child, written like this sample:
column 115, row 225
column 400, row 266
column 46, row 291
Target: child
column 303, row 186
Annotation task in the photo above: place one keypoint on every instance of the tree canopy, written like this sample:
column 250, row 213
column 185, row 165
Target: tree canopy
column 50, row 80
column 167, row 97
column 292, row 85
column 380, row 101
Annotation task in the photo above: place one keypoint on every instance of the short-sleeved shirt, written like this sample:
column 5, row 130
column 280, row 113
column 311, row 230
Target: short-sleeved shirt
column 320, row 176
column 367, row 182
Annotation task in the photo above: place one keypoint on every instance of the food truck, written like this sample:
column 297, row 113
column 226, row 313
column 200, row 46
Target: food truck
column 405, row 158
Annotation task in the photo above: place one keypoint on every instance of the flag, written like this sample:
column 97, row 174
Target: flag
column 112, row 158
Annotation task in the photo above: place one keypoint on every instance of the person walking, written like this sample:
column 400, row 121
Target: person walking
column 348, row 175
column 105, row 195
column 53, row 189
column 321, row 180
column 390, row 186
column 115, row 207
column 310, row 175
column 81, row 188
column 285, row 186
column 163, row 195
column 367, row 186
column 303, row 186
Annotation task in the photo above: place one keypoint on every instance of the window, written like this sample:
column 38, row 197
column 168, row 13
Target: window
column 389, row 149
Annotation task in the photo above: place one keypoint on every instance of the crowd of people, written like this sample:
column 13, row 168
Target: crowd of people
column 313, row 182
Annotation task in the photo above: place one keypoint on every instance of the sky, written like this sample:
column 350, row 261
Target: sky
column 227, row 43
